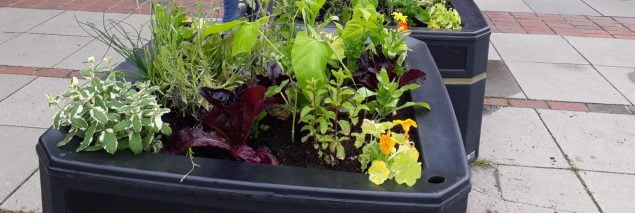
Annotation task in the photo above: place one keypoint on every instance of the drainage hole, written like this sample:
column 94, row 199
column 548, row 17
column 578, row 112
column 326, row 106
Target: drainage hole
column 436, row 179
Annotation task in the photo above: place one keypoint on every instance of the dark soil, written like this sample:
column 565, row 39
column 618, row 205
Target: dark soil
column 292, row 152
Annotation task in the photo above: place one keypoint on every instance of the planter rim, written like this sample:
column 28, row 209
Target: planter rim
column 437, row 135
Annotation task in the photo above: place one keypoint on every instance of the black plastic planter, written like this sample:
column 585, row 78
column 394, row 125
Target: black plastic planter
column 99, row 182
column 461, row 56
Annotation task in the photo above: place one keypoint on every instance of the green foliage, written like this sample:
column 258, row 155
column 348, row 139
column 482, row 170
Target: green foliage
column 389, row 94
column 323, row 116
column 110, row 114
column 365, row 24
column 401, row 164
column 309, row 57
column 310, row 9
column 410, row 8
column 442, row 17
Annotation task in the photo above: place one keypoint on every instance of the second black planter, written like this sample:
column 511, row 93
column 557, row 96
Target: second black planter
column 99, row 182
column 461, row 56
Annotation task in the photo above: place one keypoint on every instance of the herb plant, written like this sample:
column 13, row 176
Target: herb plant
column 110, row 114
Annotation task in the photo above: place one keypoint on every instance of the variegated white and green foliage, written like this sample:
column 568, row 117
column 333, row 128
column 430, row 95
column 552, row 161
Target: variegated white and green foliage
column 110, row 114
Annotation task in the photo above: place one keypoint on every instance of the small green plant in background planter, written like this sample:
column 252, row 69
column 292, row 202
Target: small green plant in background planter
column 260, row 112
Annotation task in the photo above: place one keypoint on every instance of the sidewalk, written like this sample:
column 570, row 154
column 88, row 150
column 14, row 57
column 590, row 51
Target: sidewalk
column 558, row 130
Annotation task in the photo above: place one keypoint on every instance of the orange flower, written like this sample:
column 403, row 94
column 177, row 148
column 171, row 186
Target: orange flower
column 402, row 26
column 386, row 143
column 406, row 124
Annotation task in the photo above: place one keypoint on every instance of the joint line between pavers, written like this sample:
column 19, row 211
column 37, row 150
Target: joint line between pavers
column 18, row 187
column 597, row 11
column 30, row 127
column 514, row 77
column 571, row 165
column 5, row 98
column 597, row 71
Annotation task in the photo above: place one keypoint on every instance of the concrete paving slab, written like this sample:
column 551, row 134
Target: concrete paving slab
column 500, row 82
column 492, row 54
column 18, row 157
column 535, row 48
column 564, row 82
column 622, row 78
column 614, row 192
column 29, row 106
column 623, row 8
column 37, row 50
column 569, row 7
column 546, row 188
column 10, row 83
column 67, row 22
column 7, row 36
column 609, row 108
column 594, row 141
column 516, row 136
column 503, row 5
column 27, row 197
column 485, row 195
column 138, row 23
column 21, row 20
column 95, row 48
column 606, row 51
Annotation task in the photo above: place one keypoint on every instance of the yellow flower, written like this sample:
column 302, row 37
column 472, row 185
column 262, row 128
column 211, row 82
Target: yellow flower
column 386, row 143
column 399, row 17
column 406, row 124
column 378, row 172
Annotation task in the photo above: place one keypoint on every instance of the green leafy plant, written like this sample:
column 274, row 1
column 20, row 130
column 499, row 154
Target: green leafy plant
column 332, row 110
column 110, row 114
column 390, row 155
column 442, row 17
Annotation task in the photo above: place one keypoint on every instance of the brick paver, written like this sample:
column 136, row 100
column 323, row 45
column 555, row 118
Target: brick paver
column 42, row 72
column 568, row 106
column 536, row 104
column 567, row 25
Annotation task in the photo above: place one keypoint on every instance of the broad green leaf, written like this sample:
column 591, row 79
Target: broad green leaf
column 378, row 172
column 165, row 129
column 88, row 137
column 99, row 114
column 405, row 168
column 136, row 123
column 305, row 111
column 410, row 104
column 121, row 125
column 340, row 151
column 158, row 123
column 309, row 57
column 245, row 38
column 109, row 140
column 345, row 126
column 147, row 140
column 219, row 28
column 68, row 137
column 57, row 120
column 134, row 143
column 79, row 122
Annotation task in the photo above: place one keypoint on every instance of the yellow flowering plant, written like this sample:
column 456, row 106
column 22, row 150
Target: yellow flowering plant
column 391, row 155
